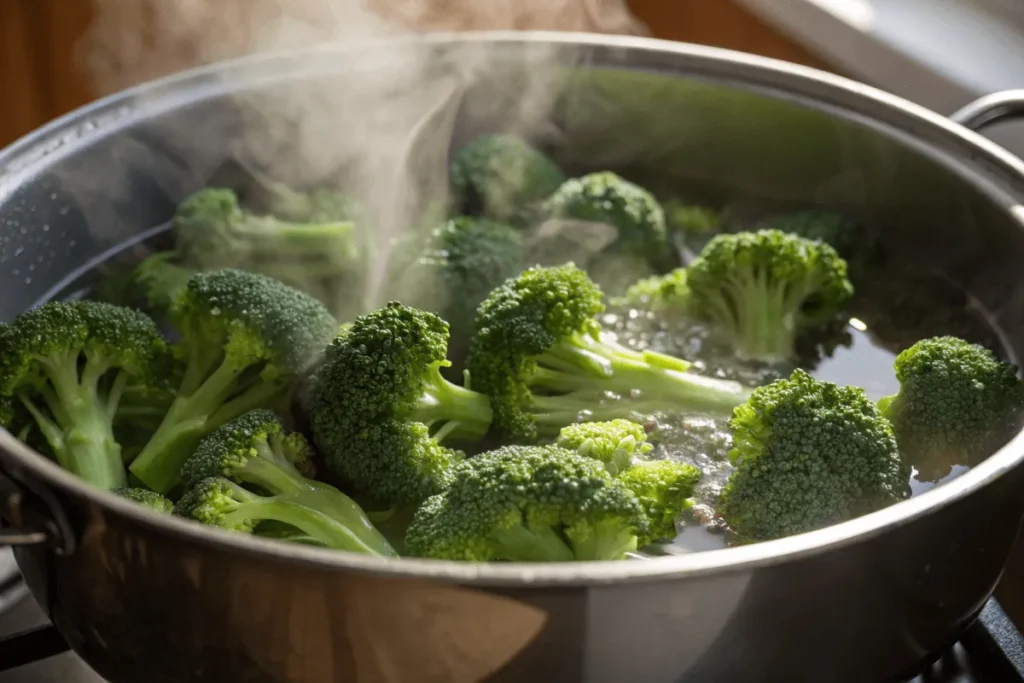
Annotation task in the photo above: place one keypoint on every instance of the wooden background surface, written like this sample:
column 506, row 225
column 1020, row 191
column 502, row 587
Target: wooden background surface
column 41, row 55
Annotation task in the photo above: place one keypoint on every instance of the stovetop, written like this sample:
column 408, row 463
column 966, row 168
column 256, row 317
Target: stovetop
column 991, row 652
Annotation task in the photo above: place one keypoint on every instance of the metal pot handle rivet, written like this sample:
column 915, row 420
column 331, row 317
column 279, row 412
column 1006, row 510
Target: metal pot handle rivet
column 28, row 524
column 991, row 109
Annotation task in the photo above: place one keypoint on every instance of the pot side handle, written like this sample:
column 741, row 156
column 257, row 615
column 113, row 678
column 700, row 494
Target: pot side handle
column 991, row 109
column 32, row 516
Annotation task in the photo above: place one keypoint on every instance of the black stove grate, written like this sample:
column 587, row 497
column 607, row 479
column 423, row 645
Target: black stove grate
column 992, row 651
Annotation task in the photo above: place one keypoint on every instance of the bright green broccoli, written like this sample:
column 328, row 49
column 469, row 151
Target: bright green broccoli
column 659, row 293
column 245, row 339
column 382, row 412
column 146, row 498
column 225, row 504
column 763, row 289
column 615, row 443
column 609, row 199
column 528, row 504
column 664, row 488
column 835, row 229
column 808, row 454
column 502, row 177
column 957, row 404
column 254, row 450
column 544, row 360
column 68, row 364
column 461, row 263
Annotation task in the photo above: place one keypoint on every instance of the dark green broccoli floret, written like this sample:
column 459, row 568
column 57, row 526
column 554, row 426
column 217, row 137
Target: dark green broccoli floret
column 661, row 292
column 160, row 278
column 615, row 442
column 382, row 410
column 528, row 504
column 222, row 503
column 68, row 364
column 146, row 498
column 255, row 450
column 808, row 454
column 323, row 259
column 459, row 266
column 546, row 363
column 245, row 339
column 609, row 199
column 502, row 177
column 957, row 404
column 763, row 289
column 664, row 488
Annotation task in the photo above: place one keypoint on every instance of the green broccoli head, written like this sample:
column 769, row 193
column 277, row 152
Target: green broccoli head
column 381, row 408
column 161, row 278
column 252, row 449
column 544, row 360
column 68, row 364
column 245, row 339
column 528, row 504
column 221, row 503
column 609, row 199
column 664, row 489
column 502, row 177
column 668, row 292
column 615, row 442
column 146, row 498
column 763, row 289
column 956, row 405
column 835, row 229
column 808, row 454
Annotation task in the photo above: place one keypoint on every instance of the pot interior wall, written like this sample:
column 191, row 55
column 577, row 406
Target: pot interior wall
column 389, row 128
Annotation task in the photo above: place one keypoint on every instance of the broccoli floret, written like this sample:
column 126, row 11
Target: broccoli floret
column 382, row 411
column 957, row 404
column 808, row 454
column 544, row 360
column 615, row 443
column 161, row 279
column 502, row 177
column 245, row 339
column 68, row 364
column 528, row 504
column 664, row 488
column 462, row 262
column 225, row 504
column 146, row 498
column 763, row 289
column 609, row 199
column 659, row 293
column 255, row 450
column 690, row 219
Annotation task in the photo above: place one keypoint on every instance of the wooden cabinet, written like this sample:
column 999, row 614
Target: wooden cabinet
column 42, row 55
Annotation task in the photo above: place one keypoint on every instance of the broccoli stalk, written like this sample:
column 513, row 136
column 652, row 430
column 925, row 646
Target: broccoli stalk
column 383, row 414
column 254, row 450
column 68, row 364
column 763, row 289
column 222, row 503
column 546, row 363
column 245, row 338
column 528, row 504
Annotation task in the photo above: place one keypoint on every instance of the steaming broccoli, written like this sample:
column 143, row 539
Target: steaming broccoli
column 763, row 289
column 245, row 339
column 808, row 454
column 68, row 364
column 543, row 359
column 460, row 265
column 528, row 504
column 837, row 230
column 664, row 488
column 609, row 199
column 160, row 278
column 153, row 501
column 382, row 412
column 615, row 443
column 956, row 405
column 502, row 177
column 222, row 503
column 255, row 450
column 659, row 293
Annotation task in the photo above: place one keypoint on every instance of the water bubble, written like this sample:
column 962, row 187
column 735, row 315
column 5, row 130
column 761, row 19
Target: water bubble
column 46, row 227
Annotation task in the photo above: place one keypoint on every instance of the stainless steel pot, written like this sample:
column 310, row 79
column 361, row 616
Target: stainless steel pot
column 152, row 599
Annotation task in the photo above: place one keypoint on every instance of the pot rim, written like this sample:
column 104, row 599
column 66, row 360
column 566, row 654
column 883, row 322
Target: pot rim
column 22, row 159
